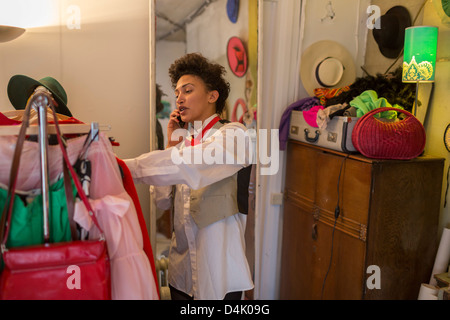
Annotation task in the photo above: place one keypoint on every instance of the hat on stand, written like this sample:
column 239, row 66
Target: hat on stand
column 21, row 87
column 326, row 64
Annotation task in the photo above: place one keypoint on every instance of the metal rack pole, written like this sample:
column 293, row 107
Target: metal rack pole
column 41, row 100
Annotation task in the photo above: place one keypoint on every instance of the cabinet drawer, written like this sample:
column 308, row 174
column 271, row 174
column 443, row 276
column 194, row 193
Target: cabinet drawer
column 306, row 255
column 301, row 165
column 344, row 224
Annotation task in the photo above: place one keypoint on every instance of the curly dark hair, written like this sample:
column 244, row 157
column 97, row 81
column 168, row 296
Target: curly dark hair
column 211, row 74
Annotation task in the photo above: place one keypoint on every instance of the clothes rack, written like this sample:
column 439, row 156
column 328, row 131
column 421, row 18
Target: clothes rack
column 40, row 100
column 65, row 129
column 133, row 275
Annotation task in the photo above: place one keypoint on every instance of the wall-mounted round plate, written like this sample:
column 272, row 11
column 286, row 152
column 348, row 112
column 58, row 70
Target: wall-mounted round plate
column 447, row 138
column 237, row 56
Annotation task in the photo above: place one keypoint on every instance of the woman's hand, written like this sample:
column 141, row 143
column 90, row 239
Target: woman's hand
column 174, row 124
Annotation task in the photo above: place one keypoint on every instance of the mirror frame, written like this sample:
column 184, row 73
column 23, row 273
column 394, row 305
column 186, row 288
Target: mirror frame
column 152, row 120
column 153, row 138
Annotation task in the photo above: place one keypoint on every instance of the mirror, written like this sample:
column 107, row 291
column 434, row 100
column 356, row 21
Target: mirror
column 224, row 32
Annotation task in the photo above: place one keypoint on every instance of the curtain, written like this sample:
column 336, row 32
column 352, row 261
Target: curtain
column 278, row 86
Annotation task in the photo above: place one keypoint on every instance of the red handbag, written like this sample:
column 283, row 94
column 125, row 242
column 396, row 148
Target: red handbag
column 76, row 270
column 401, row 140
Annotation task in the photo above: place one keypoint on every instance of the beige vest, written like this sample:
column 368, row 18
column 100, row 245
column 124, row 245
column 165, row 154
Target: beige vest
column 219, row 200
column 214, row 202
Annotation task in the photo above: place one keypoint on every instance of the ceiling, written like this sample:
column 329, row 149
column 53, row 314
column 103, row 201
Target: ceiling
column 172, row 16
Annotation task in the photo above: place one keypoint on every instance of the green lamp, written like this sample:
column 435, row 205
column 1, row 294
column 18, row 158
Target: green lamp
column 419, row 56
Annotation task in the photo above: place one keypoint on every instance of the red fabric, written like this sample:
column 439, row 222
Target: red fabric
column 197, row 140
column 5, row 121
column 327, row 93
column 129, row 186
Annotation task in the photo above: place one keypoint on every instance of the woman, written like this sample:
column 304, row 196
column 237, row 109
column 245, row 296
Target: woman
column 207, row 254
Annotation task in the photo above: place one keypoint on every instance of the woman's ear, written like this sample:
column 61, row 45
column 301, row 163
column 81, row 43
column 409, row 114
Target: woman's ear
column 213, row 96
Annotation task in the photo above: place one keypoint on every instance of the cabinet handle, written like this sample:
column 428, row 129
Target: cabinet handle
column 314, row 232
column 311, row 140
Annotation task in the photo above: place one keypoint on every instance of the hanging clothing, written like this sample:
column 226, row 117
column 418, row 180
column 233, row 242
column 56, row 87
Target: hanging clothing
column 132, row 275
column 204, row 262
column 131, row 190
column 29, row 173
column 27, row 226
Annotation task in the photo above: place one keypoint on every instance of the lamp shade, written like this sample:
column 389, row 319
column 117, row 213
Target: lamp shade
column 8, row 33
column 419, row 57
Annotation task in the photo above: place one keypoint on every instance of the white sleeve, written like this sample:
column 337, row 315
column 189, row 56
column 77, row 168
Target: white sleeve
column 163, row 196
column 221, row 155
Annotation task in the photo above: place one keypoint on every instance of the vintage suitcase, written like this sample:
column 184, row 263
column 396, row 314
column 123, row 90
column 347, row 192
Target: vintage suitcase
column 336, row 136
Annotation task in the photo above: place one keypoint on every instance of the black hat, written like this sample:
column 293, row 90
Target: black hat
column 390, row 37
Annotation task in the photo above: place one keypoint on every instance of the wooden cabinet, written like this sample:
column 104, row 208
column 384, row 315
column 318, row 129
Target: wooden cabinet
column 388, row 218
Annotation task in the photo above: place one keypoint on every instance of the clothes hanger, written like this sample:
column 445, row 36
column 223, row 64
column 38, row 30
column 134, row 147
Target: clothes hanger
column 65, row 129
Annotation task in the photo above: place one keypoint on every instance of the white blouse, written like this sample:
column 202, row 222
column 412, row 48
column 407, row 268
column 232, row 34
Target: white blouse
column 206, row 263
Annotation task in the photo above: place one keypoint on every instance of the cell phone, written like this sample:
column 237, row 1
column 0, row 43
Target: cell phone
column 180, row 123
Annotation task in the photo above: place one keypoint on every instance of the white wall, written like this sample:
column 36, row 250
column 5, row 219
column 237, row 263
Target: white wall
column 348, row 27
column 209, row 35
column 103, row 66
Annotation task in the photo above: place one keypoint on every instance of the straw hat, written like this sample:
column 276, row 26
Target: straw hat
column 326, row 64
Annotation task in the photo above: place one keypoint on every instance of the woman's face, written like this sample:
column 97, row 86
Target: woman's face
column 194, row 100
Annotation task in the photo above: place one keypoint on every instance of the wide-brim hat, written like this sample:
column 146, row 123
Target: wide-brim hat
column 237, row 56
column 21, row 87
column 326, row 64
column 390, row 36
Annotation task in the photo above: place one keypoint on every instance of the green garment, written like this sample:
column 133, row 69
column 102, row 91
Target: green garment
column 27, row 219
column 368, row 100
